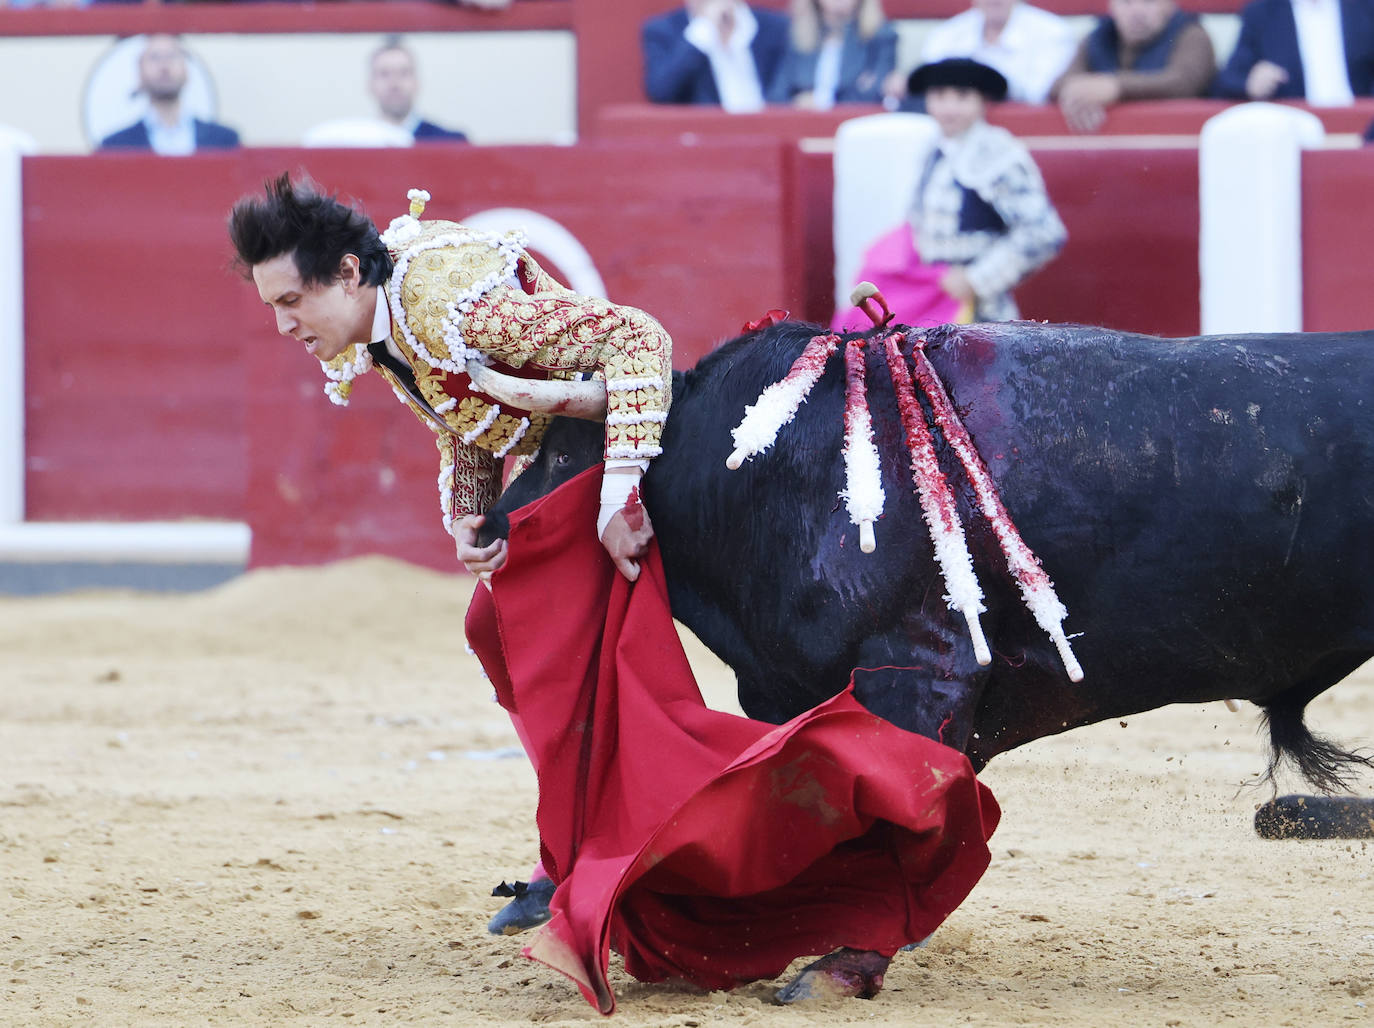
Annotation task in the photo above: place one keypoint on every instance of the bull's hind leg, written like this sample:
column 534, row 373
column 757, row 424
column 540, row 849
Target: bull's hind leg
column 844, row 974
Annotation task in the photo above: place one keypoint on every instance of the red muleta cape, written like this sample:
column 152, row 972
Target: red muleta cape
column 702, row 846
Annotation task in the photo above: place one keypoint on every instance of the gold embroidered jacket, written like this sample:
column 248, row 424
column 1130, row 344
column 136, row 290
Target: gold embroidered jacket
column 458, row 293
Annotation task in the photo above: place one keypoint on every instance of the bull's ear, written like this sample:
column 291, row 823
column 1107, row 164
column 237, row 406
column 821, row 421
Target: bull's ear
column 554, row 396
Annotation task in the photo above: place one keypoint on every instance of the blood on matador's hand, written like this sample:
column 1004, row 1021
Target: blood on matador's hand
column 627, row 535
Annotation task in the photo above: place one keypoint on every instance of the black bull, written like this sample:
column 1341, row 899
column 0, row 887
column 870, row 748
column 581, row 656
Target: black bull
column 1205, row 508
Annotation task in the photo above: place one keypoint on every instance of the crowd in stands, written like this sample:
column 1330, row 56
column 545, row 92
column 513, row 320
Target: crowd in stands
column 820, row 53
column 741, row 57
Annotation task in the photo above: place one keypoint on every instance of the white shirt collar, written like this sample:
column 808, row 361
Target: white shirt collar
column 381, row 324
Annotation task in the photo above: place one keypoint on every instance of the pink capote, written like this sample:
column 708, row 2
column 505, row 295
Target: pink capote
column 910, row 286
column 703, row 846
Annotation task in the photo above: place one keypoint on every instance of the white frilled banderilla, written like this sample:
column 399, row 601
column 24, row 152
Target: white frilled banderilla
column 863, row 492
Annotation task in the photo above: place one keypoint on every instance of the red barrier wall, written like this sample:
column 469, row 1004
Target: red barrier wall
column 1337, row 226
column 157, row 388
column 1131, row 260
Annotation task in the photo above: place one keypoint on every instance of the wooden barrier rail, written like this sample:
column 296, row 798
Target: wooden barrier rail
column 1182, row 119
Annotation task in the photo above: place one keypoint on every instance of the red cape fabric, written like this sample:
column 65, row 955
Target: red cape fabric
column 703, row 846
column 910, row 286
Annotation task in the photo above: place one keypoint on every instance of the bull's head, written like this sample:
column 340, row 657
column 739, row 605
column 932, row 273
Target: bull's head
column 571, row 444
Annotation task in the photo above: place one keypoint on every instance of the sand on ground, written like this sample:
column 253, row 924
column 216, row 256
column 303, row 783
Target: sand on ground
column 284, row 802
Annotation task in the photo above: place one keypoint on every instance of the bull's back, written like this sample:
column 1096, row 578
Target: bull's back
column 1201, row 504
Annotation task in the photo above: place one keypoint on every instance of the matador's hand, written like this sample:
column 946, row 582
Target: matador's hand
column 480, row 560
column 627, row 536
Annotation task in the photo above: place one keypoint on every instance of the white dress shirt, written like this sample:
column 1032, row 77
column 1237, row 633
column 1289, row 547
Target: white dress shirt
column 171, row 141
column 1322, row 48
column 732, row 63
column 1032, row 52
column 827, row 80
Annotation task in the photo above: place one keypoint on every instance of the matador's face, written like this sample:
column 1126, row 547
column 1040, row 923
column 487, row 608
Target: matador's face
column 326, row 318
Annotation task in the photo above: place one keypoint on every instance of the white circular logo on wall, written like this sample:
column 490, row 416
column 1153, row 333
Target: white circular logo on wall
column 548, row 239
column 112, row 99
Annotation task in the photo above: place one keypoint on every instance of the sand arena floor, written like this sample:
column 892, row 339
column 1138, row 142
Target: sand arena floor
column 237, row 808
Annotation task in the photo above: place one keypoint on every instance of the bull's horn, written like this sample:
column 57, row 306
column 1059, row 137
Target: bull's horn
column 542, row 396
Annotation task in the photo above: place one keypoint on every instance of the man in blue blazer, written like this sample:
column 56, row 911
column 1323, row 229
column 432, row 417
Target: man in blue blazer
column 166, row 128
column 1267, row 62
column 713, row 52
column 394, row 83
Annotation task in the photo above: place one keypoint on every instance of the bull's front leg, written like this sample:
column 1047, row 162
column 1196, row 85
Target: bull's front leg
column 844, row 974
column 927, row 681
column 922, row 676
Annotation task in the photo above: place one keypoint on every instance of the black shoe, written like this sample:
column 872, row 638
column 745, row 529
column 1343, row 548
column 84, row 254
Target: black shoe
column 528, row 909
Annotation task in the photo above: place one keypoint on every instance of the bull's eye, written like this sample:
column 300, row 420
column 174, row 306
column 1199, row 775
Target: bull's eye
column 562, row 460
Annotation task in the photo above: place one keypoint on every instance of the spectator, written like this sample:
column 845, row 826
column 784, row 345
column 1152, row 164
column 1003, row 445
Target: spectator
column 394, row 84
column 1030, row 47
column 980, row 222
column 713, row 52
column 1321, row 51
column 842, row 51
column 166, row 128
column 1142, row 50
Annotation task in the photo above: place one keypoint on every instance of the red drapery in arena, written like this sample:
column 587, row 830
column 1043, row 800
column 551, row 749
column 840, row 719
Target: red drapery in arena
column 699, row 845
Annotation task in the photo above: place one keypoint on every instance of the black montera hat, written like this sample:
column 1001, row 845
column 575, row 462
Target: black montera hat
column 961, row 72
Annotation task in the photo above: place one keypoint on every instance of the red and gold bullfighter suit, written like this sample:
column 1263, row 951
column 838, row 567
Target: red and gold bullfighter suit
column 461, row 301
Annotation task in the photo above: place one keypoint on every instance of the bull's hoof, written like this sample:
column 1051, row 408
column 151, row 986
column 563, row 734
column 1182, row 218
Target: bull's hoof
column 528, row 909
column 1316, row 817
column 844, row 974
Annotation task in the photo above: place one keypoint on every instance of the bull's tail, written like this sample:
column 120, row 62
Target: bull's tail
column 1325, row 765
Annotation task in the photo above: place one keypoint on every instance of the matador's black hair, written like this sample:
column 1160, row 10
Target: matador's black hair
column 318, row 230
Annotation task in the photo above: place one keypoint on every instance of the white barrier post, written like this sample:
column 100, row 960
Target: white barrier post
column 1250, row 199
column 878, row 158
column 11, row 331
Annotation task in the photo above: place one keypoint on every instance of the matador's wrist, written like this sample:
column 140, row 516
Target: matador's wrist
column 619, row 481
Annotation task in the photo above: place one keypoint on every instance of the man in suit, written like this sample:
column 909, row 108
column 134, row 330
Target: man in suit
column 713, row 52
column 394, row 84
column 1321, row 51
column 166, row 128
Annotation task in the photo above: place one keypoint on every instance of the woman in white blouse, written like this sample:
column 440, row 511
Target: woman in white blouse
column 841, row 51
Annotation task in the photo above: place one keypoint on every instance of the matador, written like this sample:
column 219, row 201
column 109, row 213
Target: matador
column 484, row 346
